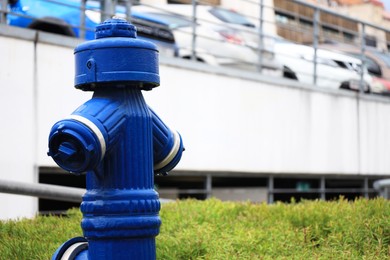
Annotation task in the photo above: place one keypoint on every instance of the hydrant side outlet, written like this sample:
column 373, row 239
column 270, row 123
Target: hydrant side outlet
column 74, row 147
column 119, row 142
column 167, row 146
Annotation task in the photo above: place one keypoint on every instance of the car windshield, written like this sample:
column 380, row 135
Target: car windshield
column 384, row 57
column 172, row 21
column 231, row 17
column 370, row 64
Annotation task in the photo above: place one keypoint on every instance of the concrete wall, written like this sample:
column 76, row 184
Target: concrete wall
column 237, row 124
column 18, row 129
column 36, row 90
column 230, row 120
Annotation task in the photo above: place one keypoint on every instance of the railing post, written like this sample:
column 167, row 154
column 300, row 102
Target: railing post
column 208, row 185
column 3, row 11
column 82, row 19
column 261, row 39
column 106, row 9
column 362, row 55
column 322, row 188
column 128, row 6
column 366, row 195
column 315, row 43
column 271, row 189
column 193, row 43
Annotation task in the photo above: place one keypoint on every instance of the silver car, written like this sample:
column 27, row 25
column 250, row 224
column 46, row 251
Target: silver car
column 216, row 43
column 333, row 70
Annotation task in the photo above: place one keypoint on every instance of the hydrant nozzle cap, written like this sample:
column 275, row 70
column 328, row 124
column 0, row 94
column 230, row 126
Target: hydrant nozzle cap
column 115, row 28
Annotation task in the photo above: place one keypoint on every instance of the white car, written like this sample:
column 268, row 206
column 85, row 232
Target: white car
column 216, row 43
column 334, row 70
column 208, row 15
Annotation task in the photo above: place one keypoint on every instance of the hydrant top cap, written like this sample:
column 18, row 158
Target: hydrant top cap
column 116, row 55
column 115, row 28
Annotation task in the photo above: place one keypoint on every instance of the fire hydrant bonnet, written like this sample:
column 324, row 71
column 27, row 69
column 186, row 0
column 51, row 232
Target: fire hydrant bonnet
column 133, row 61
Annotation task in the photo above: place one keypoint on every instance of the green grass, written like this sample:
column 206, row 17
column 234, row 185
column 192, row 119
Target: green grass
column 225, row 230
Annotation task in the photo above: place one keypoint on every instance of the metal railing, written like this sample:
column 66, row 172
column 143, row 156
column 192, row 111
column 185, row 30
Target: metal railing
column 69, row 194
column 44, row 191
column 222, row 43
column 383, row 187
column 47, row 191
column 278, row 188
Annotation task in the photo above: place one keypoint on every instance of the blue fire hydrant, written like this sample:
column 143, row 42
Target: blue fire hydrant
column 119, row 142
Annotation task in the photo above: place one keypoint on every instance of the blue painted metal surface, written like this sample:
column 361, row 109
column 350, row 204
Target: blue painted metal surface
column 120, row 142
column 106, row 58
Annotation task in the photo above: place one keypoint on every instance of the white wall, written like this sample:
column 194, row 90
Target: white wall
column 18, row 160
column 374, row 138
column 36, row 85
column 233, row 124
column 228, row 123
column 56, row 95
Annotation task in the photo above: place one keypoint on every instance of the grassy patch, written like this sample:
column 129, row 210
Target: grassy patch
column 225, row 230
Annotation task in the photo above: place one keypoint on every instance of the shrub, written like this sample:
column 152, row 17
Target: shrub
column 213, row 229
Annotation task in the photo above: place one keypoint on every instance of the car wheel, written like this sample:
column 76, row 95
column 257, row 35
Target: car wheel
column 189, row 58
column 51, row 25
column 289, row 74
column 355, row 86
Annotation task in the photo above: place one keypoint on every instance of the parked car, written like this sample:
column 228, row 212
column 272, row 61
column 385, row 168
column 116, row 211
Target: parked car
column 217, row 42
column 377, row 63
column 334, row 70
column 63, row 17
column 206, row 15
column 246, row 30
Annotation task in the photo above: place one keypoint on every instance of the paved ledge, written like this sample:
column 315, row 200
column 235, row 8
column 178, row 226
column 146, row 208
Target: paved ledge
column 38, row 36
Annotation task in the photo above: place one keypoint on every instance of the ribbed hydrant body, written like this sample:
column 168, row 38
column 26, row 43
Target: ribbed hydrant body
column 119, row 142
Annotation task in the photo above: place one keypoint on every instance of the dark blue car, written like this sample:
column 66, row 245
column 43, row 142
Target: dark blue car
column 65, row 17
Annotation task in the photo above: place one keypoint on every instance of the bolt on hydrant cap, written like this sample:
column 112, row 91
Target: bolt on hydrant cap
column 115, row 28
